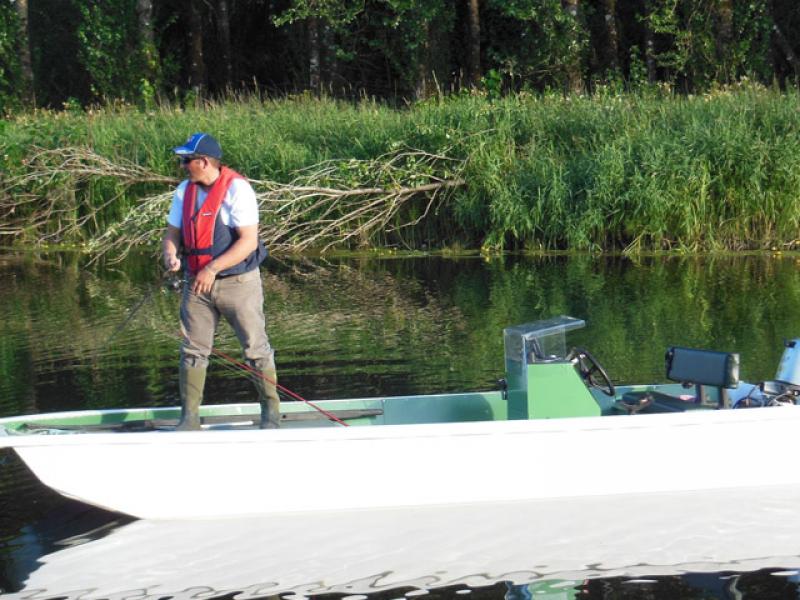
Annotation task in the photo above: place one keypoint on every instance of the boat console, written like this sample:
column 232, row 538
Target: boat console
column 541, row 376
column 544, row 380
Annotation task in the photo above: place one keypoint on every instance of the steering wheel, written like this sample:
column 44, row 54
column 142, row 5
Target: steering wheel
column 591, row 371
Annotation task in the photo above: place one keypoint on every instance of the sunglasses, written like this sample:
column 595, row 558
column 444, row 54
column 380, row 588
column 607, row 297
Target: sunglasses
column 185, row 160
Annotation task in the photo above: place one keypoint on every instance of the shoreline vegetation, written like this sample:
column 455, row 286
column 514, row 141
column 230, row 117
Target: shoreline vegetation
column 632, row 172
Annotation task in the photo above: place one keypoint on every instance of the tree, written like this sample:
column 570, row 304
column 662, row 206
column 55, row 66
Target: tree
column 110, row 49
column 700, row 43
column 197, row 63
column 319, row 16
column 474, row 42
column 81, row 51
column 26, row 64
column 144, row 11
column 611, row 35
column 151, row 64
column 649, row 43
column 224, row 26
column 783, row 42
column 572, row 58
column 314, row 55
column 724, row 18
column 417, row 35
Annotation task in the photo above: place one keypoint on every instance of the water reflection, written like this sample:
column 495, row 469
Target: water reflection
column 344, row 327
column 347, row 327
column 529, row 547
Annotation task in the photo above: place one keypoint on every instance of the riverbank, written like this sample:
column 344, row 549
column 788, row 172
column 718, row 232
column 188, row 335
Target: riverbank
column 634, row 172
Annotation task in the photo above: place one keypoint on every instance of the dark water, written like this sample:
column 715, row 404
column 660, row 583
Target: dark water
column 356, row 327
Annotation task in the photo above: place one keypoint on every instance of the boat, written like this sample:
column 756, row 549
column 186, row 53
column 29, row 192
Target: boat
column 556, row 429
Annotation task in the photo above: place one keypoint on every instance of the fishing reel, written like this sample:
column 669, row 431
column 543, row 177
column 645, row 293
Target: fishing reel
column 173, row 281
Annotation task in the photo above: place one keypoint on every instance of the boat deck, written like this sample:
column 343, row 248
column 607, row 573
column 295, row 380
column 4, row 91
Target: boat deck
column 394, row 410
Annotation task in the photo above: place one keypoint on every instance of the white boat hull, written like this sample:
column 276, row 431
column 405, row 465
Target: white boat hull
column 212, row 474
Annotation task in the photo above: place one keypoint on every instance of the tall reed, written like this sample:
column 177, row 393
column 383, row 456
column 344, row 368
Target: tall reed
column 638, row 171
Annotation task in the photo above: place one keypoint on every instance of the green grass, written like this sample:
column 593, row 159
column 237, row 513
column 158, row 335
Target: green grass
column 636, row 171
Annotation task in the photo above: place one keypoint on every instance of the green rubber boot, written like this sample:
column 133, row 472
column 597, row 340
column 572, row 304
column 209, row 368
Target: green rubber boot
column 192, row 381
column 267, row 393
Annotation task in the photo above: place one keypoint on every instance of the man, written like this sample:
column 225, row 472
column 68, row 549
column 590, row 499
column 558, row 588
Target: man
column 213, row 223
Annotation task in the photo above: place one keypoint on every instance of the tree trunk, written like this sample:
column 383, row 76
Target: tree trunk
column 330, row 72
column 725, row 22
column 144, row 12
column 197, row 64
column 612, row 36
column 649, row 43
column 423, row 63
column 788, row 51
column 224, row 24
column 26, row 64
column 314, row 54
column 783, row 43
column 573, row 59
column 724, row 36
column 474, row 59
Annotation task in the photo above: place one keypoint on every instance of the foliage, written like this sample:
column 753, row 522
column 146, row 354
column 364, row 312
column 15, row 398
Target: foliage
column 148, row 50
column 110, row 50
column 395, row 33
column 534, row 41
column 690, row 49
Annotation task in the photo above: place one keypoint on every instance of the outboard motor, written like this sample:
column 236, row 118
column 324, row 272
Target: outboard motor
column 789, row 367
column 785, row 388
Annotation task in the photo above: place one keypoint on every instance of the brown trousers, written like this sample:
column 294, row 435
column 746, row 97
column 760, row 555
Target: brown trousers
column 240, row 300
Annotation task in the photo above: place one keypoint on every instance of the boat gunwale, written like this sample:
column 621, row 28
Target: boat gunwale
column 415, row 430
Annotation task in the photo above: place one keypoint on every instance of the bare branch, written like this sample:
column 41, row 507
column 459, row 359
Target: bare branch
column 331, row 204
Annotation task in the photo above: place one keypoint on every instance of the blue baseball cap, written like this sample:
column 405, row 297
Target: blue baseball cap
column 200, row 143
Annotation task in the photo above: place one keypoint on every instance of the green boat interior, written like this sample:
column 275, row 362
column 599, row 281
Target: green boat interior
column 543, row 380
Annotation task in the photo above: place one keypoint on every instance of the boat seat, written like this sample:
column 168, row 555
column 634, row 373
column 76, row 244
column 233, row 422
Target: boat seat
column 690, row 366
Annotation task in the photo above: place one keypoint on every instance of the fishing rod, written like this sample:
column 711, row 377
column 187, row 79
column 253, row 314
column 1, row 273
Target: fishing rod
column 173, row 281
column 240, row 366
column 169, row 279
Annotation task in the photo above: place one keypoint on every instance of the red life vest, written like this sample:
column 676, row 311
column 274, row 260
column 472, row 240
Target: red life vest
column 198, row 224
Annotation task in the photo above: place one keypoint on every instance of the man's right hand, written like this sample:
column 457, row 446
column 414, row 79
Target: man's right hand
column 172, row 262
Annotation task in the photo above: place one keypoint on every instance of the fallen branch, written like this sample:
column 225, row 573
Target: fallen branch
column 44, row 200
column 332, row 204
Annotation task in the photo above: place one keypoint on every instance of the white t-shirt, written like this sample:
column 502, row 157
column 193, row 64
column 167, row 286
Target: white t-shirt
column 239, row 207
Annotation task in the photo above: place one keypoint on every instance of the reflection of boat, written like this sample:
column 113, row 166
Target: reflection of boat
column 437, row 449
column 366, row 551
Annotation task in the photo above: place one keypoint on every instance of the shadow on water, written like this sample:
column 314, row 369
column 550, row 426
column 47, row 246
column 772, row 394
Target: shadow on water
column 356, row 327
column 36, row 521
